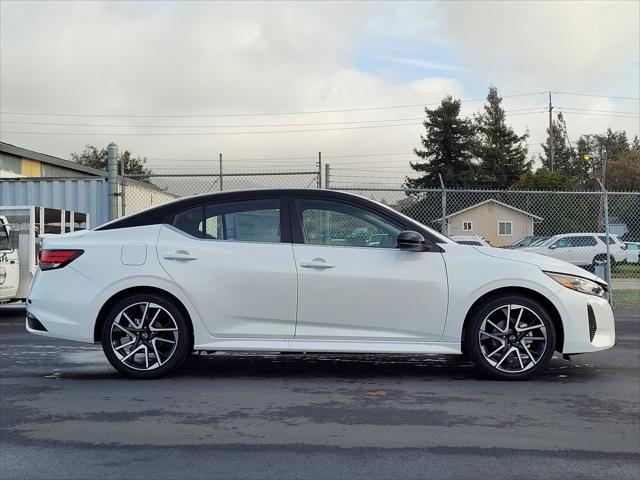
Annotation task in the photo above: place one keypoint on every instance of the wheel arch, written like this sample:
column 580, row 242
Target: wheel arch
column 527, row 292
column 116, row 297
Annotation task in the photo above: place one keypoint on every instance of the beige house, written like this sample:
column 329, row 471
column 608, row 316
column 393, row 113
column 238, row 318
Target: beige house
column 499, row 223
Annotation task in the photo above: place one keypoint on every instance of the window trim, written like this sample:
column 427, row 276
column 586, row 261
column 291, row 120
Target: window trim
column 296, row 221
column 285, row 224
column 470, row 222
column 510, row 234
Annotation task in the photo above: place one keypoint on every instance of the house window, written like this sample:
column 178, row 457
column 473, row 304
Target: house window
column 467, row 226
column 505, row 228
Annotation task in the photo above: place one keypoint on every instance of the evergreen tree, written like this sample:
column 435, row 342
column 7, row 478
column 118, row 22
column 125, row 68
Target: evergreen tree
column 564, row 156
column 543, row 179
column 446, row 151
column 602, row 150
column 502, row 152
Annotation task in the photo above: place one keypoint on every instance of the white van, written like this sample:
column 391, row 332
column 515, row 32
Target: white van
column 9, row 262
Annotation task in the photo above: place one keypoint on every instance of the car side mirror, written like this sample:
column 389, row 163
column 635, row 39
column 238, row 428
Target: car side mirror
column 412, row 242
column 552, row 247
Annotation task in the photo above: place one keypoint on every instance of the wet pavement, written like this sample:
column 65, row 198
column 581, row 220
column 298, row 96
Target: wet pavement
column 65, row 413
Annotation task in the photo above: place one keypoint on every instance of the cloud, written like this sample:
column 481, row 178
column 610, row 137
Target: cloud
column 197, row 58
column 416, row 62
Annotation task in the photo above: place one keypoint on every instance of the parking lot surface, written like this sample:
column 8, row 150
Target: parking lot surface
column 65, row 413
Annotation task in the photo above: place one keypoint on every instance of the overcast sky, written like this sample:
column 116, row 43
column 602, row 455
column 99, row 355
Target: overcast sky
column 204, row 59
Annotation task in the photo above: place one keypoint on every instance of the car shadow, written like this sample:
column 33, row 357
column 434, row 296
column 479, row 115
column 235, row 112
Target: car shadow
column 324, row 366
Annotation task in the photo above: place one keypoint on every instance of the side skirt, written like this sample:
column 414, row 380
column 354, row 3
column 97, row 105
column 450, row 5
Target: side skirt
column 329, row 346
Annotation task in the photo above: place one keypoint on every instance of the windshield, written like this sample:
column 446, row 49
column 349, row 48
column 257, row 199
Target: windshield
column 4, row 238
column 441, row 238
column 544, row 242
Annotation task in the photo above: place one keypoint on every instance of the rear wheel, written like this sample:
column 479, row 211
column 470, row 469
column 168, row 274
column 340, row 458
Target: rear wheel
column 145, row 336
column 602, row 258
column 511, row 338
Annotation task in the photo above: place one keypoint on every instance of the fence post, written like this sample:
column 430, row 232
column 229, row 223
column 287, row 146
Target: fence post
column 606, row 234
column 443, row 226
column 327, row 176
column 319, row 169
column 112, row 178
column 123, row 185
column 220, row 172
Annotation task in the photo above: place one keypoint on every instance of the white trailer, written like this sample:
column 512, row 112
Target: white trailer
column 25, row 225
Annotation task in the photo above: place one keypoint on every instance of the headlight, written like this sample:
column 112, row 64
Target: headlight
column 580, row 284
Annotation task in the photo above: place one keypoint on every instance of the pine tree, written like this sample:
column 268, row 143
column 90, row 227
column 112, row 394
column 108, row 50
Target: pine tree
column 502, row 152
column 446, row 148
column 564, row 156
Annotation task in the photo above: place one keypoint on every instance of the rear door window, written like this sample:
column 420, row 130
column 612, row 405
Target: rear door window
column 583, row 241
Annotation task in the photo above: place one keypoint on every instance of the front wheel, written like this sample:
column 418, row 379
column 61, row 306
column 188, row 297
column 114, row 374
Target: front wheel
column 145, row 336
column 511, row 338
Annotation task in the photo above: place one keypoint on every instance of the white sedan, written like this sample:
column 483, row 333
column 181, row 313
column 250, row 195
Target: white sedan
column 293, row 270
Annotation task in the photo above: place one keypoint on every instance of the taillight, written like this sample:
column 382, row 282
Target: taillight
column 50, row 259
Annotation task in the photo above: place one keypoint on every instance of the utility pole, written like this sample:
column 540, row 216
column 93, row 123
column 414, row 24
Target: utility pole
column 551, row 142
column 319, row 169
column 220, row 170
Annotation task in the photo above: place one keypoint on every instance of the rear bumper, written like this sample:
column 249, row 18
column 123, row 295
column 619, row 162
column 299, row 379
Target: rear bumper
column 62, row 304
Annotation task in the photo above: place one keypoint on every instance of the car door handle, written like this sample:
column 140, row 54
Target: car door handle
column 180, row 256
column 316, row 263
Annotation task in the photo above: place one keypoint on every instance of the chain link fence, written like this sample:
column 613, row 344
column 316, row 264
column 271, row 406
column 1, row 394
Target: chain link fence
column 143, row 191
column 565, row 225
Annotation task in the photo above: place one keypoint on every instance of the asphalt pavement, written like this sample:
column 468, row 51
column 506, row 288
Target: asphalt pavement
column 65, row 413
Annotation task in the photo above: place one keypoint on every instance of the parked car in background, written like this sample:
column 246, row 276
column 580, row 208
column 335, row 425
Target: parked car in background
column 633, row 252
column 538, row 242
column 259, row 271
column 582, row 249
column 476, row 240
column 526, row 241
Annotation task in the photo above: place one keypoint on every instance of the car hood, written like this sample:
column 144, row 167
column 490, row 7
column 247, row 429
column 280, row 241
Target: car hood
column 548, row 264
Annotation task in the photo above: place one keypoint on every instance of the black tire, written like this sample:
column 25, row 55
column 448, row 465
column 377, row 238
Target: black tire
column 541, row 351
column 602, row 257
column 169, row 317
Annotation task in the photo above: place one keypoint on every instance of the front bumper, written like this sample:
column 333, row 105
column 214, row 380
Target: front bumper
column 580, row 336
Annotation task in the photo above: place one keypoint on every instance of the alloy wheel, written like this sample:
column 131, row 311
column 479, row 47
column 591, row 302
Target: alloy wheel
column 512, row 338
column 144, row 336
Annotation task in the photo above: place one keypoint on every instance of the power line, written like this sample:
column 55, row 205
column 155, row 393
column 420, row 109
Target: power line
column 594, row 95
column 213, row 126
column 517, row 111
column 599, row 111
column 303, row 112
column 592, row 114
column 339, row 110
column 113, row 134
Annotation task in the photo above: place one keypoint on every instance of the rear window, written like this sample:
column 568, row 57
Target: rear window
column 582, row 241
column 243, row 221
column 612, row 240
